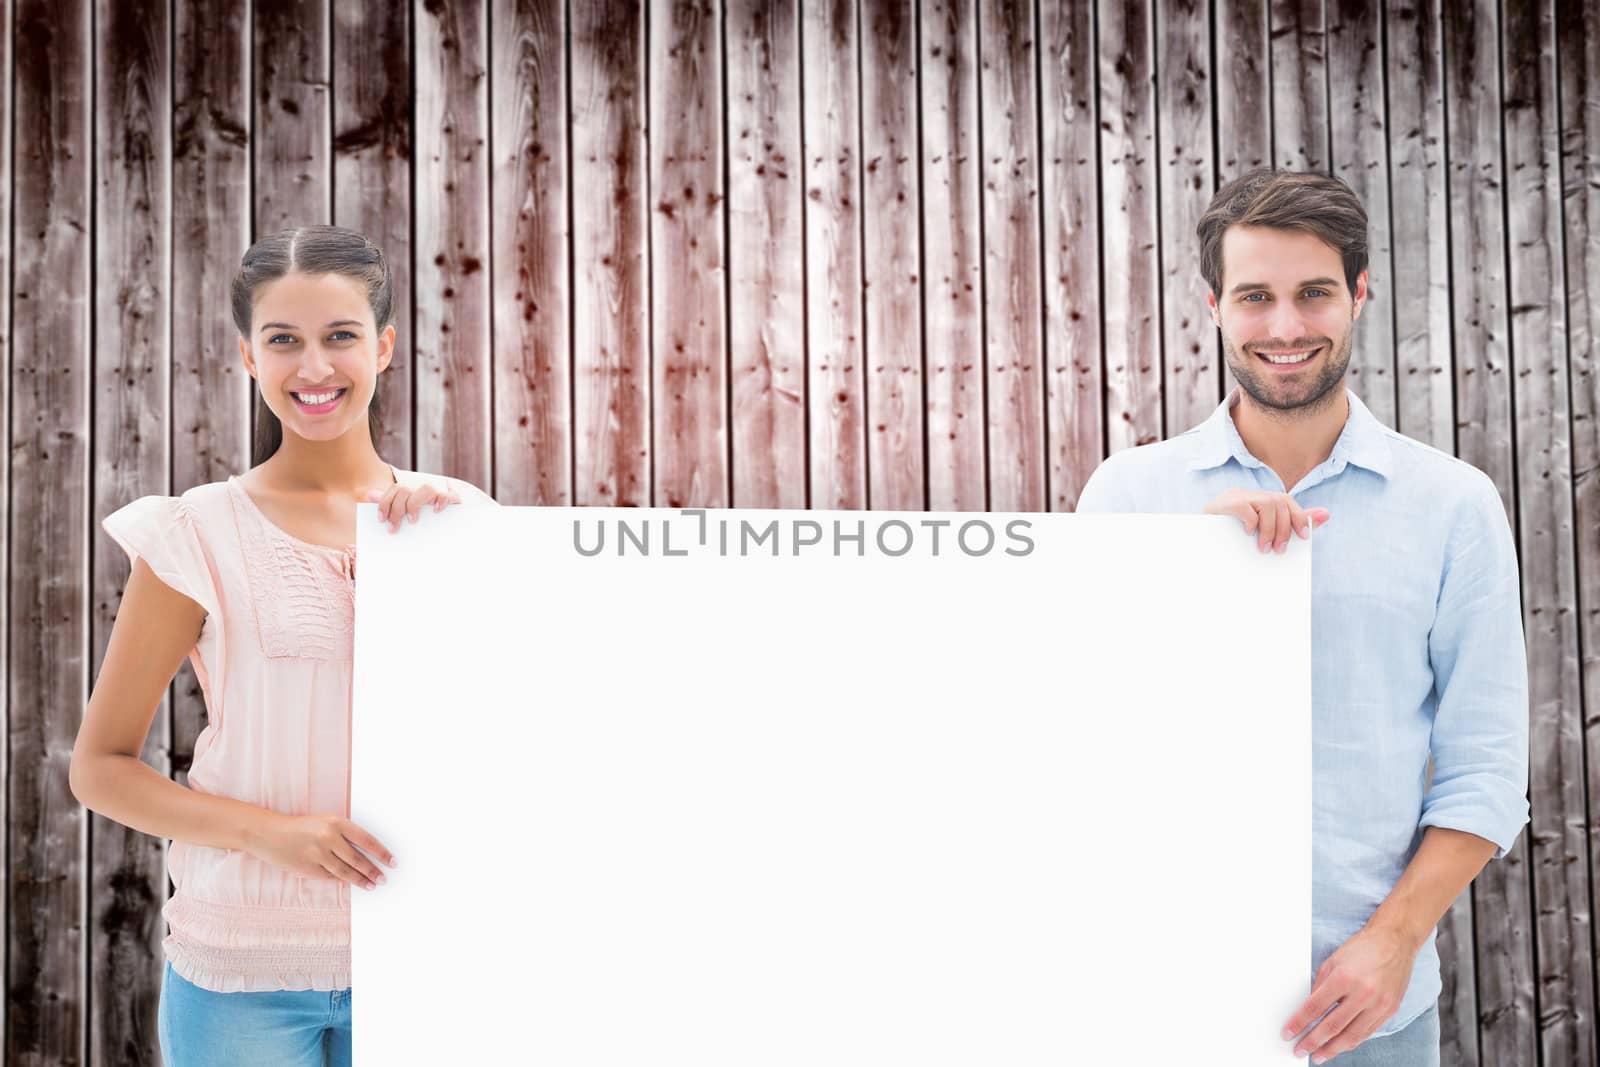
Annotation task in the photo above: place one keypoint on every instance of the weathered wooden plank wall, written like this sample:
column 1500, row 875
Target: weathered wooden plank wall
column 47, row 636
column 800, row 253
column 133, row 162
column 766, row 236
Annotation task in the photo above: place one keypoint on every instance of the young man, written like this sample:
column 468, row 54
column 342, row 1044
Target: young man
column 1416, row 620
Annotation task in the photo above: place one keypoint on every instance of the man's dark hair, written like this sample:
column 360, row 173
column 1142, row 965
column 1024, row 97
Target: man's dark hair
column 1318, row 204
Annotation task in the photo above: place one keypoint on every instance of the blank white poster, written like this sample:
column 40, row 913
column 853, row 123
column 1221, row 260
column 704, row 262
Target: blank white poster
column 852, row 789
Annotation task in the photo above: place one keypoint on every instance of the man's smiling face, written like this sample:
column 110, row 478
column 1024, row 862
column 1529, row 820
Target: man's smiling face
column 1286, row 315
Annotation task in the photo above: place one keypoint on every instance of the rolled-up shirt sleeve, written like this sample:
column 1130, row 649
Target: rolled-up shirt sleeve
column 1480, row 668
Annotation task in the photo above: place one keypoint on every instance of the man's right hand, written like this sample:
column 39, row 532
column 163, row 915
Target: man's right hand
column 1270, row 516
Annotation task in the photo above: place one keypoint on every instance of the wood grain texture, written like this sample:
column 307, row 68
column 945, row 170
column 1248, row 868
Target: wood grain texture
column 1075, row 381
column 924, row 197
column 1012, row 297
column 50, row 501
column 291, row 138
column 611, row 301
column 1419, row 279
column 8, row 360
column 1424, row 382
column 1243, row 88
column 131, row 454
column 211, row 391
column 831, row 141
column 1458, row 993
column 532, row 302
column 891, row 206
column 1502, row 904
column 1299, row 85
column 372, row 90
column 1480, row 325
column 453, row 369
column 952, row 256
column 1358, row 130
column 688, row 297
column 766, row 242
column 1192, row 372
column 1577, row 33
column 1541, row 409
column 1128, row 208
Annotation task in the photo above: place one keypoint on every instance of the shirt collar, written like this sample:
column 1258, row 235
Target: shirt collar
column 1363, row 441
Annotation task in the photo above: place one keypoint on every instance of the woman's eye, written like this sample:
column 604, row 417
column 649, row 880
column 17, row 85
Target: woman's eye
column 279, row 336
column 341, row 333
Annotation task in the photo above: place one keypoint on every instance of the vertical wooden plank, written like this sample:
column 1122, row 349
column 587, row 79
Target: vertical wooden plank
column 1013, row 326
column 1425, row 405
column 1299, row 85
column 891, row 205
column 831, row 135
column 211, row 393
column 1244, row 89
column 293, row 159
column 211, row 165
column 687, row 295
column 1420, row 287
column 372, row 178
column 49, row 518
column 1578, row 75
column 1477, row 237
column 1069, row 131
column 7, row 361
column 1192, row 379
column 532, row 346
column 952, row 257
column 766, row 239
column 1359, row 131
column 452, row 240
column 1128, row 211
column 1502, row 905
column 1419, row 279
column 1544, row 507
column 1243, row 86
column 611, row 406
column 1458, row 996
column 132, row 166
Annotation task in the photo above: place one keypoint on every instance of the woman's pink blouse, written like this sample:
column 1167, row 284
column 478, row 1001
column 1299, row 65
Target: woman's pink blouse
column 274, row 664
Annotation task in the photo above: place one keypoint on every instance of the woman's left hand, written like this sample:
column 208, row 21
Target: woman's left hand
column 401, row 502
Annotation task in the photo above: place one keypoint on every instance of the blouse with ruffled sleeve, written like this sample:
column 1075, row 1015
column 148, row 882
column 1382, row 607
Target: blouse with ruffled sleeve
column 274, row 662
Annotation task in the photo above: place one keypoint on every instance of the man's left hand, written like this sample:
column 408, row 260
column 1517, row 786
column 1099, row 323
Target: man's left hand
column 1367, row 977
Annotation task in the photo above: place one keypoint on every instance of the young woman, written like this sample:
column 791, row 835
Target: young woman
column 253, row 580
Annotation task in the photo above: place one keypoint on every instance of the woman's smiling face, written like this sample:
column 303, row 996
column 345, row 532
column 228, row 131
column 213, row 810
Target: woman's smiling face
column 312, row 337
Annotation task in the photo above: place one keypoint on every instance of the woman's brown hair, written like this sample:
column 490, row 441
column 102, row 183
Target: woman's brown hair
column 310, row 250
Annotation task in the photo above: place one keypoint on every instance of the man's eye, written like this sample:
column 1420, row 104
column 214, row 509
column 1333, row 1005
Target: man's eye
column 1251, row 297
column 1316, row 292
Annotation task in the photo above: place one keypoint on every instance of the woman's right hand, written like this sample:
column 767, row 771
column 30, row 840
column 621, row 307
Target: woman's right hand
column 1271, row 516
column 320, row 846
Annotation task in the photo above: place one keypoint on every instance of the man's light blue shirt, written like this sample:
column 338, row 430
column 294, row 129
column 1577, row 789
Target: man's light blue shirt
column 1417, row 648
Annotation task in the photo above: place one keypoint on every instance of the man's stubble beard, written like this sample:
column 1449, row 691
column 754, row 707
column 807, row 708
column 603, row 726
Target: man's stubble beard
column 1250, row 378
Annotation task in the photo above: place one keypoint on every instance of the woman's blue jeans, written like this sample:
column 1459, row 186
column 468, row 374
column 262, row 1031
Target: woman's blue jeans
column 284, row 1028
